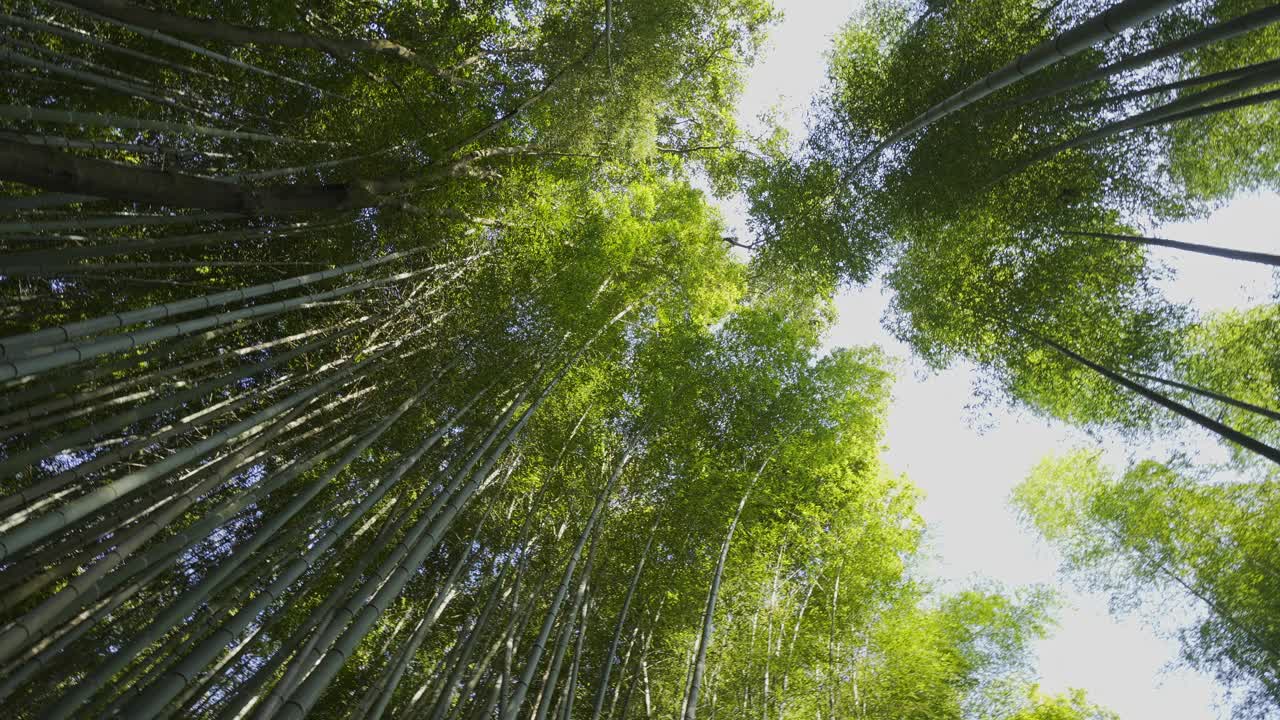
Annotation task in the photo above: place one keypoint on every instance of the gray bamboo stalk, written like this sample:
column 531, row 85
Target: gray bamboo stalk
column 1203, row 392
column 47, row 261
column 1214, row 33
column 241, row 35
column 1249, row 100
column 622, row 668
column 424, row 542
column 833, row 686
column 602, row 687
column 70, row 59
column 33, row 424
column 321, row 616
column 368, row 603
column 40, row 660
column 115, row 220
column 1179, row 84
column 31, row 513
column 238, row 704
column 1228, row 253
column 109, row 528
column 377, row 581
column 521, row 685
column 43, row 201
column 546, row 694
column 91, row 119
column 1165, row 113
column 53, row 489
column 51, row 446
column 50, row 488
column 1096, row 29
column 442, row 702
column 67, row 143
column 708, row 615
column 572, row 690
column 551, row 675
column 376, row 702
column 327, row 634
column 164, row 689
column 467, row 649
column 791, row 650
column 51, row 169
column 198, row 50
column 18, row 393
column 81, row 352
column 79, row 399
column 84, row 588
column 36, row 529
column 15, row 344
column 198, row 690
column 1220, row 429
column 55, row 28
column 178, row 264
column 123, row 87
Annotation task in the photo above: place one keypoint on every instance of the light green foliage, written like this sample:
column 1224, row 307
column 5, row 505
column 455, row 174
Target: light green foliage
column 1232, row 353
column 1159, row 532
column 1071, row 706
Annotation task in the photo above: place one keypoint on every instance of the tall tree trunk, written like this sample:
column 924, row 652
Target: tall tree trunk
column 1246, row 255
column 1224, row 431
column 58, row 171
column 516, row 699
column 1195, row 390
column 708, row 615
column 603, row 686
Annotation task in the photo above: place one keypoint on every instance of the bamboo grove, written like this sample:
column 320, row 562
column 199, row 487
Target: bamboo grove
column 366, row 360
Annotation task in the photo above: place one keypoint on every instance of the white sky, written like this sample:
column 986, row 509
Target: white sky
column 967, row 474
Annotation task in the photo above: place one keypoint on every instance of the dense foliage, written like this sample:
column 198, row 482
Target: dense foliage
column 370, row 359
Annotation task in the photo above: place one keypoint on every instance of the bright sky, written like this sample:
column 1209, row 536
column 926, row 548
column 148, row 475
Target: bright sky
column 968, row 461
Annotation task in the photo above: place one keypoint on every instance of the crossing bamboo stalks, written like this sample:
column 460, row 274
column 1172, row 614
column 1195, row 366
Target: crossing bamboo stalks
column 515, row 702
column 52, row 27
column 35, row 529
column 51, row 446
column 1103, row 26
column 1225, row 30
column 602, row 686
column 425, row 538
column 159, row 693
column 81, row 352
column 165, row 39
column 21, row 343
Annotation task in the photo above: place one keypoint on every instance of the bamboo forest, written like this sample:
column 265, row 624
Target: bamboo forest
column 395, row 359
